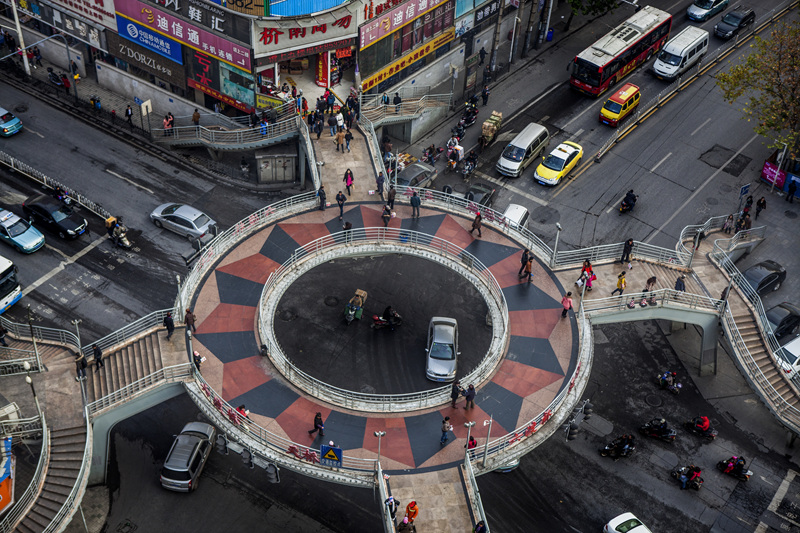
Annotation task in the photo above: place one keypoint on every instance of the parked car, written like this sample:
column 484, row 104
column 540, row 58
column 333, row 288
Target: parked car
column 765, row 277
column 702, row 10
column 784, row 319
column 417, row 175
column 625, row 523
column 558, row 163
column 9, row 124
column 187, row 457
column 789, row 356
column 47, row 212
column 18, row 233
column 183, row 220
column 734, row 22
column 480, row 194
column 442, row 351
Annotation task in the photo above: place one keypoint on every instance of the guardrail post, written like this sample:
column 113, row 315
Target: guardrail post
column 555, row 246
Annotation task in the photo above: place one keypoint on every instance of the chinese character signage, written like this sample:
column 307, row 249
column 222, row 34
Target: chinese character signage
column 263, row 61
column 396, row 66
column 149, row 39
column 192, row 36
column 208, row 16
column 88, row 33
column 146, row 58
column 392, row 20
column 278, row 36
column 484, row 12
column 98, row 11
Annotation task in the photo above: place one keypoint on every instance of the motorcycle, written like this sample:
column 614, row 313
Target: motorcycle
column 355, row 307
column 668, row 381
column 54, row 78
column 466, row 169
column 657, row 429
column 62, row 196
column 469, row 116
column 735, row 467
column 120, row 237
column 627, row 203
column 379, row 322
column 695, row 483
column 431, row 157
column 458, row 131
column 692, row 425
column 617, row 448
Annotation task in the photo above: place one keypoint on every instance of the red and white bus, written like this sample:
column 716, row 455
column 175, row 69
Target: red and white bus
column 616, row 54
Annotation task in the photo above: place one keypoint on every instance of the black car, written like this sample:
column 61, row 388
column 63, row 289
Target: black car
column 480, row 194
column 784, row 319
column 51, row 214
column 734, row 22
column 765, row 277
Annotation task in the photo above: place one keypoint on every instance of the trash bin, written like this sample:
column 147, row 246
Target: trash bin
column 549, row 35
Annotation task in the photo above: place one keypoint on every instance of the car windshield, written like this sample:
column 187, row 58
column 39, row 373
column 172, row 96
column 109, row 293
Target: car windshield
column 554, row 162
column 669, row 59
column 8, row 117
column 586, row 72
column 61, row 213
column 732, row 19
column 612, row 106
column 513, row 153
column 201, row 221
column 442, row 351
column 175, row 475
column 17, row 229
column 628, row 525
column 704, row 4
column 170, row 209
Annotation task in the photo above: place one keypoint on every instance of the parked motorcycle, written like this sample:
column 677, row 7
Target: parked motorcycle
column 669, row 381
column 54, row 78
column 692, row 474
column 432, row 154
column 389, row 319
column 657, row 428
column 628, row 202
column 622, row 446
column 735, row 466
column 693, row 425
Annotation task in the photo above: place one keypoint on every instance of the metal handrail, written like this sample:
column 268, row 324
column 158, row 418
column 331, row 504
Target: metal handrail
column 688, row 233
column 383, row 495
column 170, row 374
column 64, row 514
column 477, row 504
column 24, row 501
column 129, row 331
column 414, row 91
column 372, row 144
column 13, row 367
column 232, row 138
column 21, row 426
column 305, row 134
column 661, row 297
column 613, row 252
column 42, row 334
column 408, row 108
column 389, row 240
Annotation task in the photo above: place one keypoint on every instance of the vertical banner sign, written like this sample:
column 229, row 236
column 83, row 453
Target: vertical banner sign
column 322, row 69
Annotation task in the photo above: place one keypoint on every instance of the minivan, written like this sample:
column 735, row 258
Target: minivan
column 681, row 53
column 187, row 457
column 620, row 105
column 516, row 216
column 521, row 151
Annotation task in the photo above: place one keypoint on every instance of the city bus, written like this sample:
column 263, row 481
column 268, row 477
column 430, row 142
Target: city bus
column 619, row 52
column 10, row 291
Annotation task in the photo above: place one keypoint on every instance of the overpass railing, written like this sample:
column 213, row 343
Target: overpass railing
column 21, row 427
column 565, row 259
column 227, row 137
column 9, row 521
column 383, row 495
column 130, row 331
column 407, row 109
column 475, row 493
column 661, row 297
column 312, row 154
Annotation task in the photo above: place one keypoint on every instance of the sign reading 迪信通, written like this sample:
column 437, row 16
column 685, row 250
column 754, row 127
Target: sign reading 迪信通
column 393, row 20
column 405, row 61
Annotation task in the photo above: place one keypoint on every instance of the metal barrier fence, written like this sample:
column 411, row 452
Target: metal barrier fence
column 129, row 331
column 383, row 495
column 208, row 118
column 407, row 109
column 372, row 144
column 9, row 521
column 305, row 134
column 236, row 137
column 16, row 366
column 662, row 297
column 475, row 503
column 689, row 233
column 613, row 252
column 376, row 240
column 31, row 173
column 21, row 427
column 170, row 374
column 374, row 100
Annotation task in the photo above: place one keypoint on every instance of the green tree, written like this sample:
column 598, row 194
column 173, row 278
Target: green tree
column 770, row 76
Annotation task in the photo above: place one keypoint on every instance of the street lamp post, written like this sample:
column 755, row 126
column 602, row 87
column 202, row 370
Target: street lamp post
column 469, row 425
column 33, row 337
column 555, row 246
column 76, row 323
column 27, row 366
column 488, row 436
column 379, row 434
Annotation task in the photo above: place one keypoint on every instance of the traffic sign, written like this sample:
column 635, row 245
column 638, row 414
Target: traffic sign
column 330, row 456
column 147, row 108
column 744, row 190
column 137, row 100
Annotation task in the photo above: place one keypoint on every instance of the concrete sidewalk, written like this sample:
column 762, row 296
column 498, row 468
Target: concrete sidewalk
column 358, row 160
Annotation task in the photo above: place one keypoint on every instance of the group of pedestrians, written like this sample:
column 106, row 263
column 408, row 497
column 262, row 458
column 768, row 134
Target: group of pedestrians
column 412, row 511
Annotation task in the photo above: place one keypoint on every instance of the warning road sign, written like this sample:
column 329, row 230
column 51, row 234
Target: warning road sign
column 330, row 456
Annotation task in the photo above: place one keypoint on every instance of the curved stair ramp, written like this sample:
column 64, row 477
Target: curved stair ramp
column 225, row 139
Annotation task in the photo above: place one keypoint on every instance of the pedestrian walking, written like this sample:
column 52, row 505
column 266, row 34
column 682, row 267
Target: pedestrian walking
column 485, row 94
column 348, row 181
column 680, row 284
column 791, row 190
column 379, row 181
column 455, row 393
column 129, row 116
column 471, row 445
column 348, row 136
column 98, row 357
column 318, row 425
column 627, row 248
column 483, row 55
column 528, row 271
column 318, row 126
column 727, row 227
column 348, row 117
column 323, row 198
column 3, row 332
column 412, row 510
column 747, row 222
column 650, row 284
column 469, row 395
column 80, row 366
column 189, row 319
column 393, row 505
column 169, row 323
column 385, row 99
column 761, row 204
column 566, row 303
column 526, row 254
column 476, row 225
column 73, row 67
column 196, row 117
column 397, row 101
column 37, row 55
column 621, row 284
column 11, row 42
column 340, row 120
column 341, row 199
column 392, row 194
column 332, row 124
column 340, row 140
column 480, row 527
column 415, row 203
column 386, row 216
column 587, row 276
column 165, row 123
column 198, row 360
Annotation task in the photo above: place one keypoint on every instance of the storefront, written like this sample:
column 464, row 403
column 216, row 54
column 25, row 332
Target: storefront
column 139, row 52
column 307, row 53
column 400, row 41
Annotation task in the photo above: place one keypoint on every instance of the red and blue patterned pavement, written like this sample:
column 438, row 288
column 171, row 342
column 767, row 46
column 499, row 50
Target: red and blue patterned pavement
column 542, row 351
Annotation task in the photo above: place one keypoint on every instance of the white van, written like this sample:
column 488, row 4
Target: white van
column 516, row 216
column 525, row 148
column 681, row 53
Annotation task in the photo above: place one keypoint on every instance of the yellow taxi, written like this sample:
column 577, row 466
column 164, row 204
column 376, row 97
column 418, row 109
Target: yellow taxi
column 558, row 163
column 620, row 105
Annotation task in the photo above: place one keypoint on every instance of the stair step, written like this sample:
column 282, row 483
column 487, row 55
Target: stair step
column 62, row 481
column 39, row 518
column 65, row 448
column 67, row 431
column 50, row 505
column 55, row 490
column 24, row 527
column 67, row 463
column 141, row 369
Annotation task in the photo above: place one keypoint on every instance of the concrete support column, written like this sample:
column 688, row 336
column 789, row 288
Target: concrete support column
column 708, row 349
column 303, row 160
column 216, row 155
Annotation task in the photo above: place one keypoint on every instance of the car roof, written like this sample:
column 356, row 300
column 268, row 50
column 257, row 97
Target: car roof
column 188, row 212
column 181, row 452
column 616, row 521
column 444, row 329
column 7, row 218
column 199, row 427
column 3, row 111
column 792, row 349
column 624, row 93
column 563, row 150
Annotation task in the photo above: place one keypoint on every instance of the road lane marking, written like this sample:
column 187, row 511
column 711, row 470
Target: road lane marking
column 700, row 126
column 782, row 490
column 34, row 132
column 576, row 117
column 515, row 190
column 615, row 203
column 697, row 191
column 33, row 286
column 576, row 134
column 659, row 163
column 544, row 118
column 130, row 181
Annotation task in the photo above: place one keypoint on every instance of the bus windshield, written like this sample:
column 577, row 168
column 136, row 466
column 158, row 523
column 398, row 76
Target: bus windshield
column 586, row 72
column 8, row 281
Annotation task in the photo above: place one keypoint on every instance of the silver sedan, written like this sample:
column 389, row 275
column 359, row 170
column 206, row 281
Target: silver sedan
column 183, row 220
column 442, row 351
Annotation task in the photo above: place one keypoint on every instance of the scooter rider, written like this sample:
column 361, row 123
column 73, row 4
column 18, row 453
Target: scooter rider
column 630, row 198
column 472, row 158
column 703, row 423
column 390, row 315
column 356, row 301
column 452, row 143
column 119, row 231
column 689, row 476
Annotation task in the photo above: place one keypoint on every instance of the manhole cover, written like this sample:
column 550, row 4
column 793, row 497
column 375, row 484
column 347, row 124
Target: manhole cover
column 287, row 316
column 653, row 400
column 331, row 301
column 21, row 108
column 790, row 214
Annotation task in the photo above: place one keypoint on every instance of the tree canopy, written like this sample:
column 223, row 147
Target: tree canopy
column 770, row 77
column 593, row 7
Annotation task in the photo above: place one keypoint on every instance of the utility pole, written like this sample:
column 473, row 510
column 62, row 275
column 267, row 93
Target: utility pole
column 531, row 25
column 496, row 43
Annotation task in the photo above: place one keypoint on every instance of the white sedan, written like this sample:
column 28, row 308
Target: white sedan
column 625, row 523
